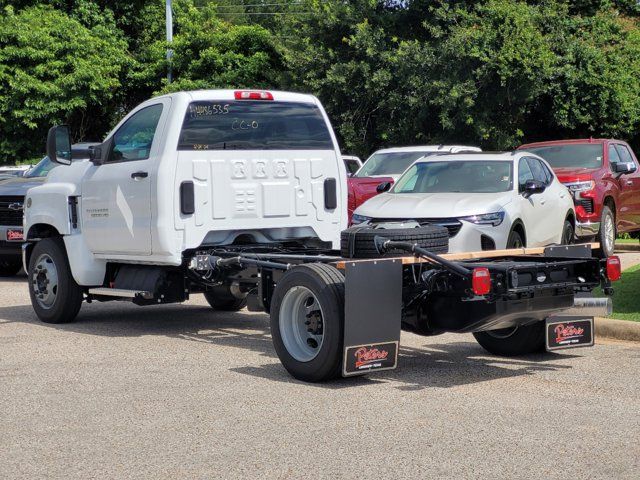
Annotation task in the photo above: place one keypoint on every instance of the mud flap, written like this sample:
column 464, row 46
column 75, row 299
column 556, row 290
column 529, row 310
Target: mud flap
column 373, row 312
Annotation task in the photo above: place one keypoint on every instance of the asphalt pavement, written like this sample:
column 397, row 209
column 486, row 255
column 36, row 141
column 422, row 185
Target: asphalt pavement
column 184, row 392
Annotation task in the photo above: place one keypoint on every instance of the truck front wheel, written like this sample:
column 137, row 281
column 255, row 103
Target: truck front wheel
column 307, row 319
column 55, row 295
column 514, row 341
column 607, row 231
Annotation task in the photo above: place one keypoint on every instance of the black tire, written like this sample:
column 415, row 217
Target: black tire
column 68, row 295
column 568, row 237
column 512, row 342
column 358, row 242
column 221, row 298
column 10, row 266
column 327, row 284
column 515, row 240
column 607, row 241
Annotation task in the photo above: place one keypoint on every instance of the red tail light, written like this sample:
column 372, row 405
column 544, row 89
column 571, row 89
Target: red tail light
column 614, row 269
column 481, row 281
column 252, row 95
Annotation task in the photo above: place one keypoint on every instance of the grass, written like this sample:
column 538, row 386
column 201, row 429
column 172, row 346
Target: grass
column 627, row 241
column 626, row 295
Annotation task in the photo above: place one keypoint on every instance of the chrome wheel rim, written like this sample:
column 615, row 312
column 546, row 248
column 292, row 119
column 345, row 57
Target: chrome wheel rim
column 44, row 279
column 609, row 233
column 301, row 324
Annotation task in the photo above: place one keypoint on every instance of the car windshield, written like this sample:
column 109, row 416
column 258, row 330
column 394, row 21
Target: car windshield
column 463, row 176
column 577, row 155
column 389, row 163
column 42, row 169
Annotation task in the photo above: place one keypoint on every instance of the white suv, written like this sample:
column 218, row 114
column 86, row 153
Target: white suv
column 487, row 201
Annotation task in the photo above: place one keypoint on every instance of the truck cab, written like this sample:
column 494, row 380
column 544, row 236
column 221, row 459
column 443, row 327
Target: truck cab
column 603, row 177
column 195, row 169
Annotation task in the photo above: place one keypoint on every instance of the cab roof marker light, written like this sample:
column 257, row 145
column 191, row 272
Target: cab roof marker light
column 252, row 95
column 481, row 281
column 614, row 269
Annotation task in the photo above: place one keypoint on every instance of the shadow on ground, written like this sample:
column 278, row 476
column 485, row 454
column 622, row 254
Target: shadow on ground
column 432, row 365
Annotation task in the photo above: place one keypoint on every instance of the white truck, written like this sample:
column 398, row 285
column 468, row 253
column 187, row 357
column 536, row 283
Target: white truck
column 241, row 195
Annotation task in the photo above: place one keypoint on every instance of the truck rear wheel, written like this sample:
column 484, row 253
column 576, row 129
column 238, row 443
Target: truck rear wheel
column 221, row 298
column 9, row 266
column 55, row 295
column 307, row 319
column 515, row 341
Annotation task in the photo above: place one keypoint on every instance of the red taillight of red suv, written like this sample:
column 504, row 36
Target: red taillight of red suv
column 614, row 268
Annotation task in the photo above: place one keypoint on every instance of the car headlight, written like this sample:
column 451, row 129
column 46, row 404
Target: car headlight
column 575, row 187
column 356, row 219
column 493, row 219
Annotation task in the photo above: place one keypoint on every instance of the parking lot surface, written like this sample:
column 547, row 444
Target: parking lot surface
column 185, row 392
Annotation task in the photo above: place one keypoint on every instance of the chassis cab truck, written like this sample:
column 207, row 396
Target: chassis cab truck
column 241, row 196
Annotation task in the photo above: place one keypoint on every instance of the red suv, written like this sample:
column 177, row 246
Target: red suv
column 602, row 175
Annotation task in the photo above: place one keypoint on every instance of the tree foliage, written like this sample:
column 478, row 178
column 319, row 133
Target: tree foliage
column 493, row 73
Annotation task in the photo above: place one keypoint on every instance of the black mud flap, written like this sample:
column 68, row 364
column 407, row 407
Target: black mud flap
column 569, row 332
column 373, row 305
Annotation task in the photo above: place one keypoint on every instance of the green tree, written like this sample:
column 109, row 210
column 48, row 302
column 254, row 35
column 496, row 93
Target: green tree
column 55, row 70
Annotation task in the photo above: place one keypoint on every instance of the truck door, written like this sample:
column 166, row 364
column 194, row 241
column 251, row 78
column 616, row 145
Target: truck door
column 629, row 185
column 116, row 196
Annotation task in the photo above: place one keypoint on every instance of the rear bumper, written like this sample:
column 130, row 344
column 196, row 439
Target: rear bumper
column 587, row 229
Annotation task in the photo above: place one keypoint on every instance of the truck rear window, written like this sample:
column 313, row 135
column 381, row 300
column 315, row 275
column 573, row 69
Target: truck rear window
column 254, row 125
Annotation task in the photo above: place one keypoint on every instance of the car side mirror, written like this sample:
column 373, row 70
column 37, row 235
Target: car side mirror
column 59, row 144
column 383, row 187
column 624, row 168
column 532, row 187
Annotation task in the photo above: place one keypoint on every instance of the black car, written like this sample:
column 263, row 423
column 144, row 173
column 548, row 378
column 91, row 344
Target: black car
column 12, row 193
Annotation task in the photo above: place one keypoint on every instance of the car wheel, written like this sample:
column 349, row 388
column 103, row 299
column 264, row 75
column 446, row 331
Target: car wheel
column 567, row 234
column 515, row 240
column 221, row 298
column 513, row 341
column 307, row 321
column 9, row 267
column 607, row 235
column 55, row 295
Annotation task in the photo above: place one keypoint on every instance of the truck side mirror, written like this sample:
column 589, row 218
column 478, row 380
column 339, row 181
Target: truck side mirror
column 383, row 187
column 532, row 187
column 625, row 168
column 59, row 144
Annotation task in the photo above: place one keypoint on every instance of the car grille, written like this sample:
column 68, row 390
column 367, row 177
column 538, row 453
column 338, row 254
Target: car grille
column 452, row 224
column 587, row 204
column 11, row 211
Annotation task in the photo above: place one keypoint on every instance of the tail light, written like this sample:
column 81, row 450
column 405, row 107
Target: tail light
column 481, row 281
column 252, row 95
column 614, row 270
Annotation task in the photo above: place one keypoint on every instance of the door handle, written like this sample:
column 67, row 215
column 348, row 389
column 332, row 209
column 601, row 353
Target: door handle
column 629, row 182
column 136, row 175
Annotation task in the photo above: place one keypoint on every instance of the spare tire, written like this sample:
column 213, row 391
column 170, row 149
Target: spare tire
column 358, row 241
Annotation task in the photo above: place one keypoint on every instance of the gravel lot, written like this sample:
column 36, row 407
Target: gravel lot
column 183, row 392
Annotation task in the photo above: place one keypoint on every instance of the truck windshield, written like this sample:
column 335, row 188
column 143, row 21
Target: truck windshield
column 42, row 169
column 254, row 125
column 577, row 155
column 471, row 176
column 390, row 163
